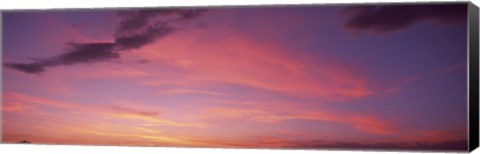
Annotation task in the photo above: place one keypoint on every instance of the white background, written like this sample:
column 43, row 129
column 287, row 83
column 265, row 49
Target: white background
column 61, row 149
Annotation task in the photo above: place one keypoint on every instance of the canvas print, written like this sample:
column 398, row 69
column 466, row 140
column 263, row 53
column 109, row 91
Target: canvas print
column 352, row 76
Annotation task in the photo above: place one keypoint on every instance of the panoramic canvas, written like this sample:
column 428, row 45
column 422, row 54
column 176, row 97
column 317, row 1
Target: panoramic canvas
column 372, row 76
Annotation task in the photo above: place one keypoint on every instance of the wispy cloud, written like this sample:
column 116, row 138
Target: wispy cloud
column 400, row 83
column 21, row 97
column 284, row 112
column 15, row 106
column 241, row 60
column 19, row 101
column 439, row 71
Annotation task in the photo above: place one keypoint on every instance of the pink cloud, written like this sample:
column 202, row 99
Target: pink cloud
column 243, row 60
column 14, row 106
column 39, row 100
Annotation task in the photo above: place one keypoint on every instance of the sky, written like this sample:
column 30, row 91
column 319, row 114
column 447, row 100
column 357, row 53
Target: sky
column 301, row 77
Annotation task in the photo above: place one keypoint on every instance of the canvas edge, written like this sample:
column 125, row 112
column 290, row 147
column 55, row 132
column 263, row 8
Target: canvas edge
column 473, row 106
column 1, row 75
column 243, row 5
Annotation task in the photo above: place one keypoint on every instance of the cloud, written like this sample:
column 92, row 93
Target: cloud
column 439, row 71
column 136, row 19
column 77, row 53
column 181, row 91
column 141, row 27
column 34, row 67
column 118, row 109
column 400, row 83
column 359, row 121
column 251, row 63
column 17, row 102
column 138, row 40
column 152, row 119
column 21, row 97
column 15, row 106
column 382, row 19
column 136, row 29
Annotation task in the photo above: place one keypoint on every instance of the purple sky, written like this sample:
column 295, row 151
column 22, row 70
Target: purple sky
column 281, row 76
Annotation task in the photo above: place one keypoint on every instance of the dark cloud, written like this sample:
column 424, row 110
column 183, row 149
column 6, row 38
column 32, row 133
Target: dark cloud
column 34, row 67
column 86, row 53
column 77, row 53
column 137, row 40
column 380, row 19
column 138, row 19
column 190, row 14
column 136, row 29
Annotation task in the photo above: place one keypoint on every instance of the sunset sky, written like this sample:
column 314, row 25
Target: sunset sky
column 319, row 76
